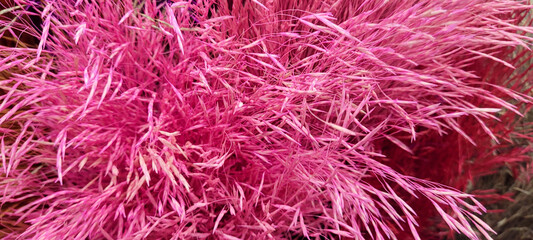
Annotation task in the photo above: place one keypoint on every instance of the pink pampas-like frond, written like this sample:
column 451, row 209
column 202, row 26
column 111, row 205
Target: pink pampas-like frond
column 243, row 119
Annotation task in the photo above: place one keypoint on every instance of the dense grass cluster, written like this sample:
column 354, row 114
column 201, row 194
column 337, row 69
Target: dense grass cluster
column 254, row 119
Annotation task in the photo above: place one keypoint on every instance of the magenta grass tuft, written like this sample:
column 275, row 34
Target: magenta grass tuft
column 251, row 119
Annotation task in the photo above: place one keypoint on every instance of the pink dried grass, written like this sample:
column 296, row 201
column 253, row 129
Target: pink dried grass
column 250, row 119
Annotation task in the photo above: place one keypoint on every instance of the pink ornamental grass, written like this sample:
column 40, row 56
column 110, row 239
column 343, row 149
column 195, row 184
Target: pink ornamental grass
column 244, row 119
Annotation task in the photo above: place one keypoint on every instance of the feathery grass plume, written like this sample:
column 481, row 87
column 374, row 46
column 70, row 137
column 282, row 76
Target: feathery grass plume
column 451, row 160
column 249, row 119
